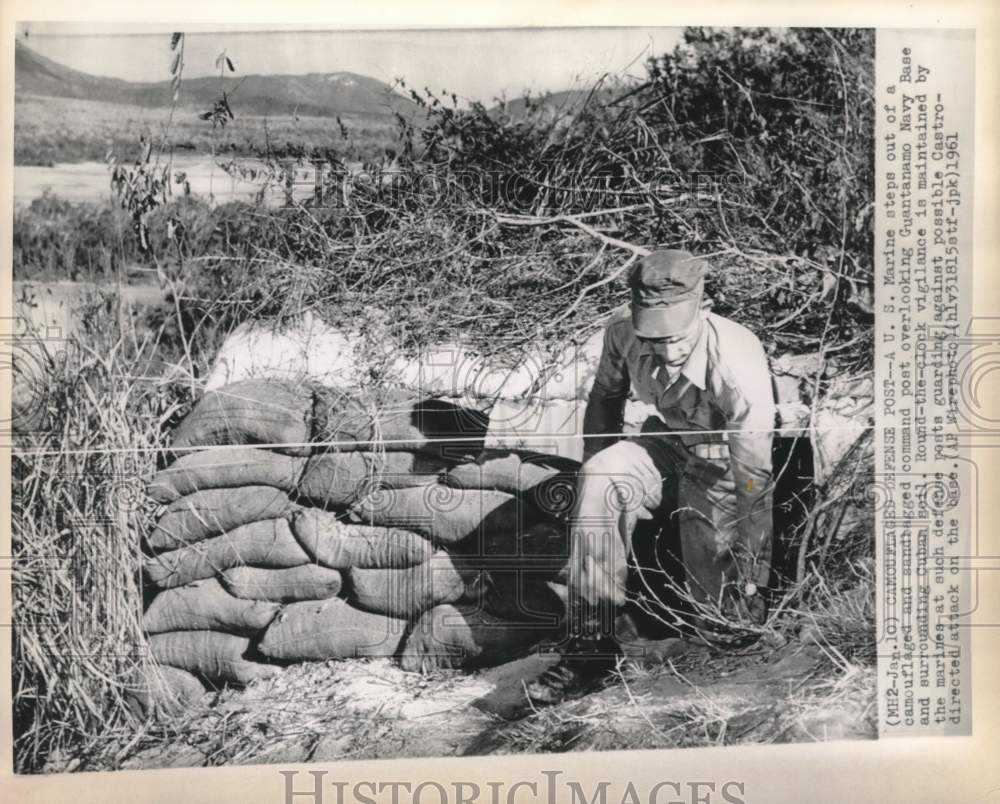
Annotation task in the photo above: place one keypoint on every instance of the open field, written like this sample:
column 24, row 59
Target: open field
column 51, row 130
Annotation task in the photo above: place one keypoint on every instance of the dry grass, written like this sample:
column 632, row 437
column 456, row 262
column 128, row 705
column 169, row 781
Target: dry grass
column 87, row 431
column 360, row 709
column 799, row 693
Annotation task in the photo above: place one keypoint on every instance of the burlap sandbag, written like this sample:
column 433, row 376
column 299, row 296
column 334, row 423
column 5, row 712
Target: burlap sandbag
column 330, row 629
column 341, row 545
column 509, row 470
column 213, row 511
column 399, row 420
column 407, row 592
column 206, row 605
column 448, row 515
column 307, row 582
column 159, row 689
column 466, row 637
column 250, row 412
column 225, row 468
column 268, row 543
column 336, row 479
column 211, row 654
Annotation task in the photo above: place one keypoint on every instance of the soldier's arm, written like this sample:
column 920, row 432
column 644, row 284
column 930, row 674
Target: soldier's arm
column 751, row 433
column 602, row 418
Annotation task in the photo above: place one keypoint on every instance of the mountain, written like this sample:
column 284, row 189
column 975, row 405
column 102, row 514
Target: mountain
column 315, row 94
column 37, row 75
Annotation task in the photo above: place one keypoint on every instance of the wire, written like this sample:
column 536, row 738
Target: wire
column 413, row 442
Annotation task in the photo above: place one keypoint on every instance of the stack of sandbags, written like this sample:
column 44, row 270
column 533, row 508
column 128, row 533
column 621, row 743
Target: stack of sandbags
column 303, row 523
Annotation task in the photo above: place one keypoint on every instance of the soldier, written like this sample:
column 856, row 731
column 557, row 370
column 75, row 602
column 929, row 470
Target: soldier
column 711, row 444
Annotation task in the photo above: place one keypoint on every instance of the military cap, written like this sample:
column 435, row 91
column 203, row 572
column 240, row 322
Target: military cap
column 667, row 288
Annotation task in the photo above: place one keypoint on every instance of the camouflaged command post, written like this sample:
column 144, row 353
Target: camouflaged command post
column 305, row 522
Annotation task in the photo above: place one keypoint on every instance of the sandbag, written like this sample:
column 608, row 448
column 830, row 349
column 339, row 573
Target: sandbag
column 225, row 468
column 250, row 412
column 340, row 545
column 211, row 654
column 446, row 514
column 206, row 605
column 162, row 690
column 407, row 592
column 336, row 479
column 307, row 582
column 399, row 420
column 507, row 470
column 466, row 637
column 213, row 511
column 331, row 629
column 268, row 543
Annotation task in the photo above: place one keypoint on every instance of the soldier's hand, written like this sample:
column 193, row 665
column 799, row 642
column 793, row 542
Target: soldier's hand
column 597, row 569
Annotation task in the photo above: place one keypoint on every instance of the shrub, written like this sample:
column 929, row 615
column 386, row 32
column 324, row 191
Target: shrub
column 750, row 146
column 55, row 238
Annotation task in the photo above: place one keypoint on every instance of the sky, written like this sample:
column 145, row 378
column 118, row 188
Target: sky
column 475, row 64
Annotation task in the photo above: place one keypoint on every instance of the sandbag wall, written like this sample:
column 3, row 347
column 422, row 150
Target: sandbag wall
column 304, row 523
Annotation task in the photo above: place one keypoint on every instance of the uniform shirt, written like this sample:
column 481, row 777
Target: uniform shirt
column 724, row 385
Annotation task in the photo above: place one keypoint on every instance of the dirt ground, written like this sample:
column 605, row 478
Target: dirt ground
column 368, row 709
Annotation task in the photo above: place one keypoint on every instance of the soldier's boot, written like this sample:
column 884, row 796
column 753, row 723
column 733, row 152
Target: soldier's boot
column 585, row 667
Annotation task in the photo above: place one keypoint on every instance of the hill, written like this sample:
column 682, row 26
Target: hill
column 556, row 104
column 315, row 94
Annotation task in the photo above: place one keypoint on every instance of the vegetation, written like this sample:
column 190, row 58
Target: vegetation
column 750, row 146
column 87, row 430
